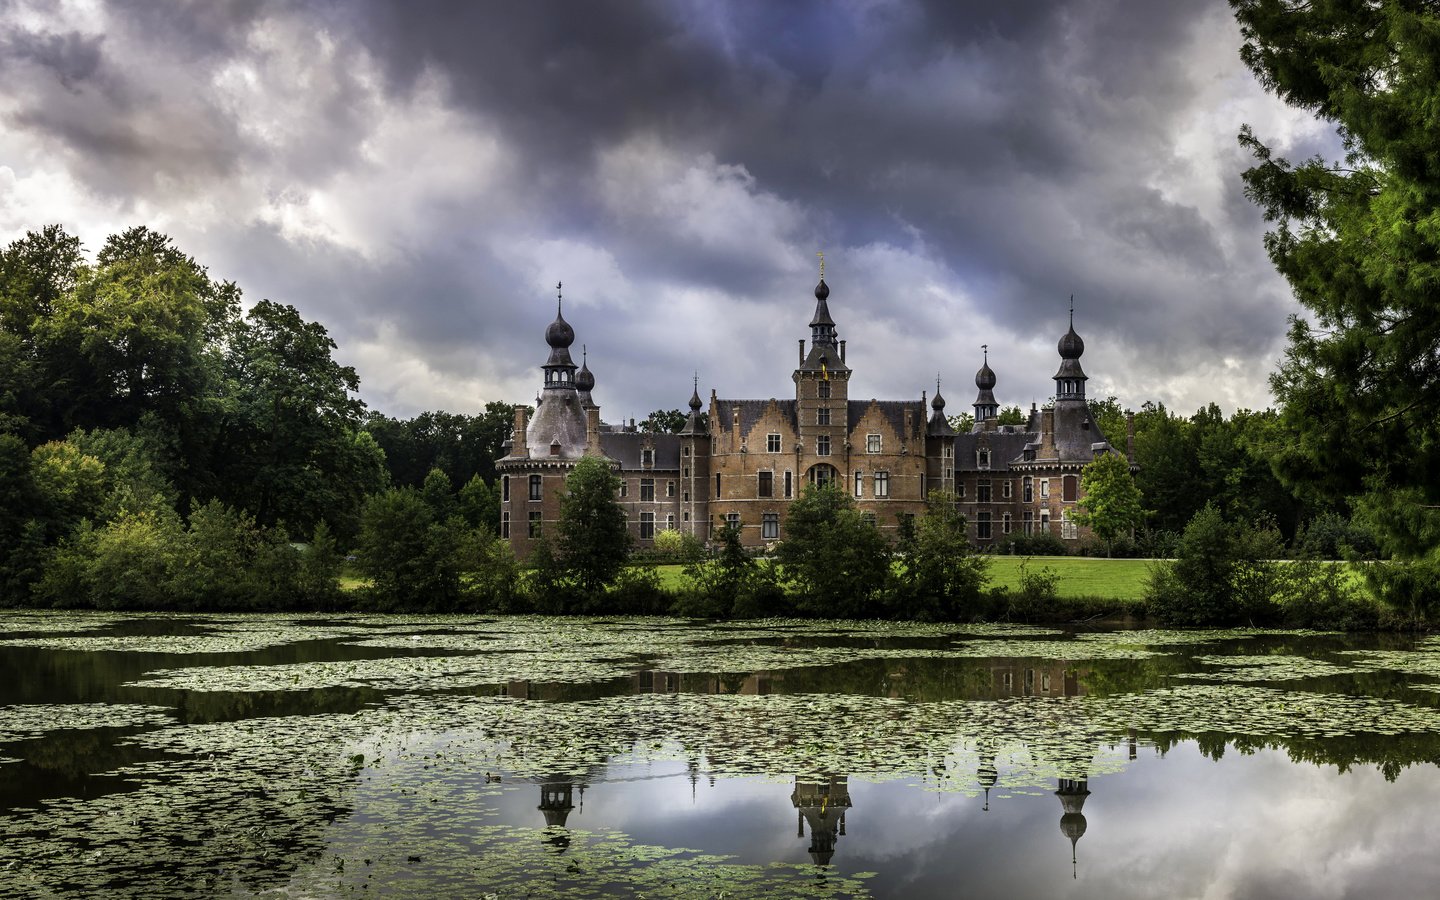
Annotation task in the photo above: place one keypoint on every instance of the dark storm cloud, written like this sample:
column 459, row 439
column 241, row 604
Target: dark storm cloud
column 678, row 163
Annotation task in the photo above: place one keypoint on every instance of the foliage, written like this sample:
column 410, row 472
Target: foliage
column 1012, row 415
column 1359, row 245
column 594, row 540
column 459, row 445
column 1330, row 535
column 1223, row 574
column 732, row 583
column 1018, row 543
column 664, row 421
column 940, row 579
column 962, row 422
column 836, row 562
column 1036, row 596
column 1111, row 505
column 479, row 505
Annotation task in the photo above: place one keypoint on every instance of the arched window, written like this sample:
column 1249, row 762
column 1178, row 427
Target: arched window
column 823, row 474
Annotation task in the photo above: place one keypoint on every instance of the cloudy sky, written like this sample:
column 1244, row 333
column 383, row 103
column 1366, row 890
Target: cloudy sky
column 418, row 176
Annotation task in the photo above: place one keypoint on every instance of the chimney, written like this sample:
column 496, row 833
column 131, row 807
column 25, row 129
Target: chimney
column 842, row 351
column 802, row 351
column 518, row 447
column 1130, row 436
column 592, row 432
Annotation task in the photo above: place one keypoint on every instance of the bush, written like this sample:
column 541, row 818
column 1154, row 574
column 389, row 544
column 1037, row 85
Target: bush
column 1020, row 544
column 1223, row 574
column 1036, row 596
column 1321, row 595
column 1332, row 536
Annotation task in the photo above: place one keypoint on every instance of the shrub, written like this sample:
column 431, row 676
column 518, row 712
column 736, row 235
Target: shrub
column 1223, row 574
column 1036, row 595
column 1017, row 543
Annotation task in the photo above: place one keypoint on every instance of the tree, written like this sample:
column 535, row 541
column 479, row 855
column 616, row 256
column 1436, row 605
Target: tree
column 940, row 578
column 1111, row 505
column 1358, row 243
column 1223, row 574
column 1012, row 415
column 837, row 561
column 664, row 421
column 594, row 540
column 36, row 273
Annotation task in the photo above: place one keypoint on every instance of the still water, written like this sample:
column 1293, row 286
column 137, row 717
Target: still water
column 311, row 756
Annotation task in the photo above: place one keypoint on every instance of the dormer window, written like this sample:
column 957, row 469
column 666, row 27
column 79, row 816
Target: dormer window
column 647, row 457
column 982, row 459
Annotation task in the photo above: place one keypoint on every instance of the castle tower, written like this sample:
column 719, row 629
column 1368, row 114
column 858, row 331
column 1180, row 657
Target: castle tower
column 822, row 395
column 821, row 804
column 1070, row 379
column 585, row 381
column 695, row 469
column 986, row 409
column 1072, row 794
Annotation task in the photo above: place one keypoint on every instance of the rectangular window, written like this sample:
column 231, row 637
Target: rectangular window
column 647, row 457
column 1069, row 488
column 1044, row 521
column 717, row 485
column 1068, row 529
column 948, row 452
column 1006, row 489
column 872, row 443
column 949, row 474
column 770, row 526
column 982, row 491
column 822, row 416
column 772, row 443
column 880, row 482
column 1044, row 489
column 504, row 524
column 647, row 526
column 669, row 488
column 982, row 526
column 824, row 392
column 670, row 522
column 982, row 459
column 685, row 496
column 789, row 485
column 647, row 490
column 1027, row 522
column 505, row 489
column 685, row 472
column 923, row 492
column 868, row 518
column 766, row 486
column 859, row 483
column 685, row 516
column 624, row 489
column 686, row 451
column 534, row 487
column 822, row 445
column 1007, row 681
column 1027, row 490
column 960, row 491
column 535, row 523
column 732, row 520
column 1005, row 524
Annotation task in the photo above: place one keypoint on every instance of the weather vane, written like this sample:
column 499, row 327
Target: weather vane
column 559, row 297
column 985, row 348
column 821, row 254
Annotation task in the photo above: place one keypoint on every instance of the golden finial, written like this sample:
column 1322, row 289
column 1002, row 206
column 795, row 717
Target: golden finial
column 821, row 254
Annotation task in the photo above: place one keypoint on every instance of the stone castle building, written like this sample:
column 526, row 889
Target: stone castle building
column 745, row 461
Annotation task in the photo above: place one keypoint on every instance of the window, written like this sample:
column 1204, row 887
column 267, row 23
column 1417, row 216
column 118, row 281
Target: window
column 872, row 443
column 505, row 524
column 949, row 474
column 868, row 518
column 717, row 485
column 1044, row 489
column 685, row 516
column 881, row 481
column 772, row 443
column 824, row 392
column 948, row 452
column 535, row 523
column 766, row 487
column 1029, row 454
column 1007, row 489
column 823, row 474
column 982, row 491
column 982, row 459
column 982, row 526
column 1044, row 521
column 859, row 483
column 685, row 496
column 647, row 526
column 624, row 489
column 789, row 485
column 1045, row 682
column 923, row 492
column 685, row 472
column 1027, row 489
column 1068, row 529
column 554, row 448
column 822, row 445
column 770, row 526
column 534, row 487
column 1005, row 524
column 1027, row 522
column 960, row 491
column 907, row 523
column 647, row 490
column 732, row 520
column 647, row 457
column 1069, row 488
column 822, row 416
column 1007, row 681
column 669, row 488
column 685, row 451
column 505, row 488
column 670, row 522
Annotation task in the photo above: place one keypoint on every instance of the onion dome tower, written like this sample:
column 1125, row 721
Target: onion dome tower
column 986, row 408
column 558, row 428
column 1072, row 794
column 694, row 422
column 559, row 368
column 987, row 774
column 821, row 804
column 826, row 354
column 584, row 380
column 939, row 425
column 1070, row 379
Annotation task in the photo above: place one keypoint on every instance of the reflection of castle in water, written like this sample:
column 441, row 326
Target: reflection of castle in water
column 1072, row 794
column 822, row 805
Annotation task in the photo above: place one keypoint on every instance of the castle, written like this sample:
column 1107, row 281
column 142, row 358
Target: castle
column 745, row 461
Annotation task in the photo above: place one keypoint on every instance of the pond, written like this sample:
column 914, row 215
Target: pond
column 371, row 756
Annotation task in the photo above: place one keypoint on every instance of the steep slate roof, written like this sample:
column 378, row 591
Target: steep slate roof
column 624, row 447
column 558, row 418
column 1005, row 447
column 750, row 413
column 1072, row 439
column 893, row 411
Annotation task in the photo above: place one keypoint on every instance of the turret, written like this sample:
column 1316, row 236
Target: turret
column 1070, row 379
column 1072, row 794
column 939, row 425
column 559, row 368
column 584, row 380
column 986, row 409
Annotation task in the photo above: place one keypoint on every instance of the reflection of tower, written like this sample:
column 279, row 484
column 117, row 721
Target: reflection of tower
column 823, row 805
column 556, row 800
column 1072, row 796
column 987, row 774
